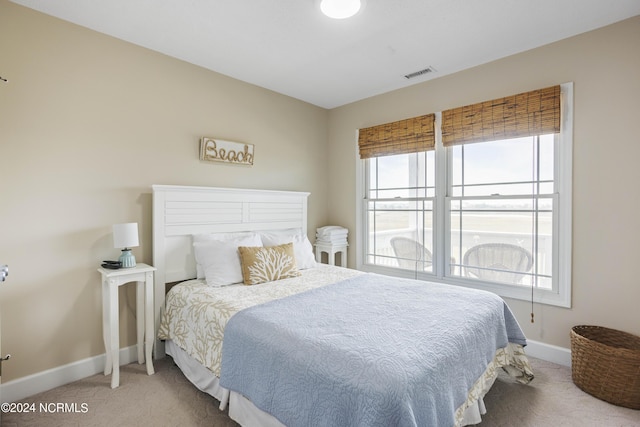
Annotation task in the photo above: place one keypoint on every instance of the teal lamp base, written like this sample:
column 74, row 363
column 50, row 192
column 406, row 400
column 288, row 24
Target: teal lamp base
column 127, row 259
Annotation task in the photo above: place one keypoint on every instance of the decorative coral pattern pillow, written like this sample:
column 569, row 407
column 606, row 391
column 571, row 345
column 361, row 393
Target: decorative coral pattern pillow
column 262, row 264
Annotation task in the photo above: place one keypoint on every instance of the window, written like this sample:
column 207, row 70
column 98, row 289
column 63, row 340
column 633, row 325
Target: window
column 491, row 212
column 501, row 204
column 399, row 205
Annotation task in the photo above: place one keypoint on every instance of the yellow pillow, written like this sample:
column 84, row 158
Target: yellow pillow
column 267, row 263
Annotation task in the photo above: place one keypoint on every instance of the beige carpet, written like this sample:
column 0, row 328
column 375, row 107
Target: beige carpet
column 168, row 399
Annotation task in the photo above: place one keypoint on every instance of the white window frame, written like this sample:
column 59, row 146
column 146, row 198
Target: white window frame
column 561, row 293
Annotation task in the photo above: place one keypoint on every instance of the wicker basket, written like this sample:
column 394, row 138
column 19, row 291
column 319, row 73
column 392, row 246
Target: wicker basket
column 606, row 364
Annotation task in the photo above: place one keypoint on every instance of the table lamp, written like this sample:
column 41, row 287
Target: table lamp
column 125, row 236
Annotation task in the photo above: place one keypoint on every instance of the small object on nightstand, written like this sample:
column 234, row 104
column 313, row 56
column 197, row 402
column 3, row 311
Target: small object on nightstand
column 111, row 281
column 112, row 265
column 332, row 240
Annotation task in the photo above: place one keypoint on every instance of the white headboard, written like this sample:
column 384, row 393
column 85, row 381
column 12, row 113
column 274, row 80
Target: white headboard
column 179, row 212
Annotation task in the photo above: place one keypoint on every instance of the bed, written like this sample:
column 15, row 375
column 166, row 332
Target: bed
column 321, row 345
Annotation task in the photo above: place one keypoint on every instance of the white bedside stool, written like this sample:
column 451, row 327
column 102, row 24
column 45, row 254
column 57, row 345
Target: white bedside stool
column 111, row 281
column 331, row 250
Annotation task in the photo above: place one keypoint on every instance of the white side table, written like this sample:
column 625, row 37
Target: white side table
column 111, row 281
column 331, row 250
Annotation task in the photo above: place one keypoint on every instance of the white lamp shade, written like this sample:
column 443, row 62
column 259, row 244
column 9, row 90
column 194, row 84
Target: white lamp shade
column 125, row 235
column 340, row 9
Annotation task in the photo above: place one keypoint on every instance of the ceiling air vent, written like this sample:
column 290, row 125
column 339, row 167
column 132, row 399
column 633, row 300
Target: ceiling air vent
column 420, row 73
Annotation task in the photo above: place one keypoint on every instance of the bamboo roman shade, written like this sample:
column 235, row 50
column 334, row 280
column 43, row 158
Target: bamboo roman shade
column 526, row 114
column 401, row 137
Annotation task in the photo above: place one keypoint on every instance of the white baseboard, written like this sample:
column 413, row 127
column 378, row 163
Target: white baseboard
column 548, row 352
column 42, row 381
column 46, row 380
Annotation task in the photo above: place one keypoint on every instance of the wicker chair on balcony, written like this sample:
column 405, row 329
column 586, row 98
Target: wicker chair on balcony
column 411, row 253
column 497, row 262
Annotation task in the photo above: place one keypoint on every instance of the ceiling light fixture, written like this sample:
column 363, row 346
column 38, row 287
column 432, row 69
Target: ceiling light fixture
column 340, row 9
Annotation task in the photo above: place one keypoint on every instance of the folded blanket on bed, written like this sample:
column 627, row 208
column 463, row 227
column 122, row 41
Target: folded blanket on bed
column 369, row 351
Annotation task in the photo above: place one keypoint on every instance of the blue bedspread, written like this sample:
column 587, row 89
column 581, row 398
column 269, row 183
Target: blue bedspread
column 368, row 351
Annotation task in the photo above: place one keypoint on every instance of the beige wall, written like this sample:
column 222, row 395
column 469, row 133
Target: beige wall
column 604, row 66
column 87, row 124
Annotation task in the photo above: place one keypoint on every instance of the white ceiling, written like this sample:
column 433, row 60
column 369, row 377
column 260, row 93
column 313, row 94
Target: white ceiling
column 288, row 46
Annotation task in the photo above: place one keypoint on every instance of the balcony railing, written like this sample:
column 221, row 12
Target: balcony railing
column 380, row 251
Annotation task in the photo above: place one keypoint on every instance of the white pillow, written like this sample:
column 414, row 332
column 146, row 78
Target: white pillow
column 302, row 248
column 220, row 260
column 221, row 237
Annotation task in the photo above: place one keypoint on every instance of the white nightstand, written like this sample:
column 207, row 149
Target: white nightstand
column 331, row 249
column 111, row 281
